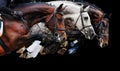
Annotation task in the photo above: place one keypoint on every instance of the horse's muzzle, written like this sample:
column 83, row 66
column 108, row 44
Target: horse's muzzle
column 60, row 37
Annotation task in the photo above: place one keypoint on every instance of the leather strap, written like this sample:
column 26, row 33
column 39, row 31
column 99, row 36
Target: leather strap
column 6, row 49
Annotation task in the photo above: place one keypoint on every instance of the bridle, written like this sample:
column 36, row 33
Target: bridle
column 101, row 27
column 54, row 23
column 4, row 46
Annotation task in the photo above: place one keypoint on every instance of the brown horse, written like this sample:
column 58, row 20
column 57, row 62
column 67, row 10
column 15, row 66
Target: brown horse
column 100, row 22
column 16, row 32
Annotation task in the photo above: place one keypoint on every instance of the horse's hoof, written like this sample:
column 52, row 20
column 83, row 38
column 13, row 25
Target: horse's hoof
column 21, row 50
column 64, row 44
column 62, row 51
column 42, row 52
column 23, row 55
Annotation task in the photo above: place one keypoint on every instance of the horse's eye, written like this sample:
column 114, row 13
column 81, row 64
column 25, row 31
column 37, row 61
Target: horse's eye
column 60, row 13
column 60, row 19
column 85, row 18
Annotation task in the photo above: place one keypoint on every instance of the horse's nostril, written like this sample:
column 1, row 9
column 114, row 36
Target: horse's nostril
column 105, row 45
column 92, row 34
column 96, row 37
column 64, row 39
column 56, row 34
column 85, row 18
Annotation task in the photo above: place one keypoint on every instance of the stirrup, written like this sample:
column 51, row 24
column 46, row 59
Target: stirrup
column 1, row 27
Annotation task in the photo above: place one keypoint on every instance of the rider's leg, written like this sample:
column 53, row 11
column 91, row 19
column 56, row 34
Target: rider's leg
column 1, row 26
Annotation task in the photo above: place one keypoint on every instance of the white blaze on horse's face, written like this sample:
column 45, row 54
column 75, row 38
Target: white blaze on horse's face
column 87, row 28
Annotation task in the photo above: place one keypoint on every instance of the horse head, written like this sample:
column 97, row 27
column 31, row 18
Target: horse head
column 100, row 22
column 87, row 28
column 56, row 24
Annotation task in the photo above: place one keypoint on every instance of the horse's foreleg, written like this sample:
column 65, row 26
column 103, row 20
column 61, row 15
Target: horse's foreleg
column 31, row 46
column 32, row 51
column 31, row 38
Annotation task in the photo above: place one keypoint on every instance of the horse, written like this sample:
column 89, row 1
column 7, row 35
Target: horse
column 16, row 31
column 99, row 22
column 80, row 16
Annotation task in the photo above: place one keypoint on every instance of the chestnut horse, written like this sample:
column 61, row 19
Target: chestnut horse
column 16, row 32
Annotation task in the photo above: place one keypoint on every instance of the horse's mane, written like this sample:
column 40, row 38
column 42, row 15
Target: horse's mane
column 30, row 4
column 93, row 6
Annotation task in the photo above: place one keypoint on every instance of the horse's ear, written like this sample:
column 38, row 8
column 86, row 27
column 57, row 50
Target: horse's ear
column 60, row 7
column 86, row 8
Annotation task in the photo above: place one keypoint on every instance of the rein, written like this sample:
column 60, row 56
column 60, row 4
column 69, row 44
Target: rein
column 100, row 26
column 54, row 16
column 80, row 15
column 4, row 46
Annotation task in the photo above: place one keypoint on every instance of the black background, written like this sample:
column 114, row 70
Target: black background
column 86, row 55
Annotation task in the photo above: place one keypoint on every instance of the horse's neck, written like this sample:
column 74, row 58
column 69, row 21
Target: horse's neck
column 40, row 28
column 35, row 13
column 40, row 8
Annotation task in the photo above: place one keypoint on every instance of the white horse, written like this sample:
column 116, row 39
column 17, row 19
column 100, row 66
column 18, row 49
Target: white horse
column 79, row 15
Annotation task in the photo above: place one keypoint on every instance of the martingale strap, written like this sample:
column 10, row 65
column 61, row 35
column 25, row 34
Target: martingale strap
column 7, row 50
